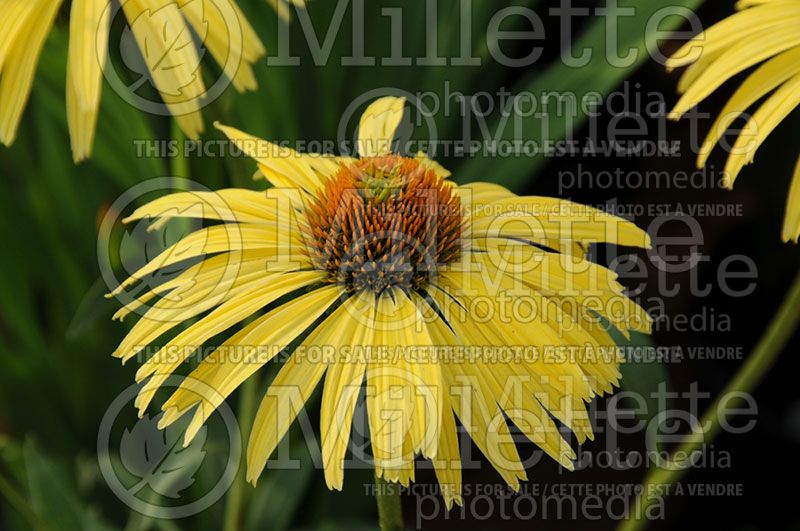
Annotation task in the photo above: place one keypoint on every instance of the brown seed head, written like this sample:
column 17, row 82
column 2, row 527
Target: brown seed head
column 384, row 221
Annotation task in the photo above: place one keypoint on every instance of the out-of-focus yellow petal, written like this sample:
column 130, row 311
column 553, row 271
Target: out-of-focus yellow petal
column 13, row 16
column 168, row 48
column 283, row 7
column 234, row 48
column 88, row 50
column 20, row 61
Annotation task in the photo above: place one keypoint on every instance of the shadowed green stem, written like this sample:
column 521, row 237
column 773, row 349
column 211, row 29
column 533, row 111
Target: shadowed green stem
column 749, row 376
column 234, row 507
column 390, row 514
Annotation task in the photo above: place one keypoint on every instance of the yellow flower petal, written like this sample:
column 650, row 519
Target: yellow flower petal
column 283, row 166
column 19, row 63
column 159, row 367
column 168, row 48
column 234, row 48
column 342, row 387
column 88, row 30
column 245, row 352
column 732, row 32
column 377, row 126
column 766, row 78
column 737, row 58
column 762, row 123
column 791, row 222
column 547, row 218
column 216, row 239
column 232, row 204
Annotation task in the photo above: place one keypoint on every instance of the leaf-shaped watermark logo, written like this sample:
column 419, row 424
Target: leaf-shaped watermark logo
column 152, row 472
column 124, row 248
column 146, row 240
column 158, row 458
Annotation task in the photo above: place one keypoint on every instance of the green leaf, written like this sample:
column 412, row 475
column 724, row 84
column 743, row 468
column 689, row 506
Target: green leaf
column 53, row 495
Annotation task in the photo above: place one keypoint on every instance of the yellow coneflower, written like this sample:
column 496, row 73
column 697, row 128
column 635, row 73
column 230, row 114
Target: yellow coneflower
column 764, row 31
column 442, row 301
column 162, row 29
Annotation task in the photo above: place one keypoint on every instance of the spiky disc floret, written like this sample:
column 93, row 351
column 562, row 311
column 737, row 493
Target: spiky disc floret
column 382, row 222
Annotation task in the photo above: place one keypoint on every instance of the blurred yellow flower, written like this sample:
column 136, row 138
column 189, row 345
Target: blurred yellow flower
column 767, row 32
column 163, row 30
column 446, row 301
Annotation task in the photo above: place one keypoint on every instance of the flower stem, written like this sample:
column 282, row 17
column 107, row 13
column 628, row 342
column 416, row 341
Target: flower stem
column 746, row 380
column 390, row 514
column 235, row 498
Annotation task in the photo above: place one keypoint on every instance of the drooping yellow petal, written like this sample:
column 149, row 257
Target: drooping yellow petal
column 377, row 126
column 741, row 55
column 297, row 378
column 560, row 389
column 388, row 396
column 159, row 367
column 343, row 385
column 213, row 280
column 566, row 277
column 447, row 462
column 13, row 17
column 425, row 376
column 475, row 404
column 791, row 222
column 225, row 369
column 19, row 63
column 766, row 78
column 512, row 391
column 404, row 393
column 762, row 123
column 168, row 312
column 732, row 31
column 287, row 394
column 88, row 49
